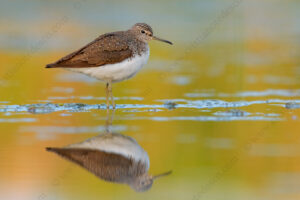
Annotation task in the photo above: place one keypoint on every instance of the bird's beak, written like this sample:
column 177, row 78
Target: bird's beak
column 162, row 40
column 162, row 174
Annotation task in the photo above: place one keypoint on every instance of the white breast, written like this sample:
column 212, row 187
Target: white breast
column 118, row 71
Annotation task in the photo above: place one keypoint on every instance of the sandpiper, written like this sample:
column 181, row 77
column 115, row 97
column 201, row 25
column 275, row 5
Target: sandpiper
column 112, row 57
column 112, row 157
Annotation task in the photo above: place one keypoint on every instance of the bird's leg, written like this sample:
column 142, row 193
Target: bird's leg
column 108, row 121
column 107, row 95
column 111, row 95
column 110, row 118
column 107, row 124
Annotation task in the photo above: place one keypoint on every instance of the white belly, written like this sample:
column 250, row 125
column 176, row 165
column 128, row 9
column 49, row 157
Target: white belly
column 118, row 71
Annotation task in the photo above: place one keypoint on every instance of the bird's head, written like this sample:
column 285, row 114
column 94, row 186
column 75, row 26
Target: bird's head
column 144, row 33
column 144, row 182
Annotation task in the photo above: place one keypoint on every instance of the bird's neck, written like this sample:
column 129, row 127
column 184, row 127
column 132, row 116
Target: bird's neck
column 140, row 47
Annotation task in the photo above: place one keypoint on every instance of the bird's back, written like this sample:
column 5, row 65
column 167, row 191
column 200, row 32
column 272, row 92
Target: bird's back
column 108, row 48
column 107, row 166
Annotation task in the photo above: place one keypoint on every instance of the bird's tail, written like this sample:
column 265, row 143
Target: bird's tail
column 51, row 149
column 50, row 65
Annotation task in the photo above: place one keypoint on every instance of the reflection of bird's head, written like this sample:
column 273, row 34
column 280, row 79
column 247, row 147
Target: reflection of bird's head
column 144, row 182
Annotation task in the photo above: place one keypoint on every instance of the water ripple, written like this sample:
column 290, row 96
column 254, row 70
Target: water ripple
column 269, row 92
column 166, row 103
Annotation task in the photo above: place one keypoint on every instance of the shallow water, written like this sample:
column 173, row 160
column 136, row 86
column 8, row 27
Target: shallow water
column 220, row 108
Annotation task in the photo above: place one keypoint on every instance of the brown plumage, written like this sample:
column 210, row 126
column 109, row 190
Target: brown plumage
column 107, row 166
column 109, row 48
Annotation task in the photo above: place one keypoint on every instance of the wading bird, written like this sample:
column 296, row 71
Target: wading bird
column 112, row 57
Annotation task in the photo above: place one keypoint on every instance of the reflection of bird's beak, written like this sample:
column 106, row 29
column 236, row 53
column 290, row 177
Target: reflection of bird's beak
column 162, row 40
column 162, row 174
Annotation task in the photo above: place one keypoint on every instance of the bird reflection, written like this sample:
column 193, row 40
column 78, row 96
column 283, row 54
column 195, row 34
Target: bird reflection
column 112, row 157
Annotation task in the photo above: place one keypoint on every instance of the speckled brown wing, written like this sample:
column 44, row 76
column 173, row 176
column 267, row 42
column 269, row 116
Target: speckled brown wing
column 109, row 48
column 107, row 166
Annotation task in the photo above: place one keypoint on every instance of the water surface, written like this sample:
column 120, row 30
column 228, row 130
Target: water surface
column 220, row 108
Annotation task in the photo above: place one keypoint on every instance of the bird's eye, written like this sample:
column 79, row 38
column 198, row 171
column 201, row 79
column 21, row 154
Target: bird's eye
column 142, row 31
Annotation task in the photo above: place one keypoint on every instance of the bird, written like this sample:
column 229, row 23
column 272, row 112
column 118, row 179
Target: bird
column 112, row 157
column 112, row 57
